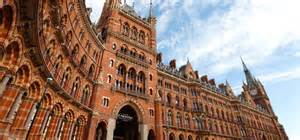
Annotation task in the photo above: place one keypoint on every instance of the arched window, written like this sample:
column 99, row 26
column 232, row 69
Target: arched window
column 91, row 71
column 75, row 50
column 65, row 77
column 132, row 74
column 121, row 70
column 151, row 91
column 126, row 29
column 141, row 77
column 177, row 101
column 170, row 118
column 109, row 79
column 134, row 35
column 83, row 61
column 50, row 48
column 185, row 104
column 69, row 37
column 169, row 99
column 178, row 119
column 111, row 63
column 85, row 95
column 75, row 87
column 142, row 37
column 181, row 137
column 187, row 121
column 57, row 64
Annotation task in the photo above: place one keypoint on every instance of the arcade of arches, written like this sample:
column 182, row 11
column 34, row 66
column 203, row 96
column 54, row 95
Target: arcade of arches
column 63, row 77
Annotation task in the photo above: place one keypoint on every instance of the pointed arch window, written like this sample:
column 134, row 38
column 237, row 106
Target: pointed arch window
column 91, row 71
column 85, row 95
column 75, row 50
column 75, row 87
column 65, row 77
column 126, row 29
column 142, row 37
column 57, row 64
column 134, row 33
column 83, row 61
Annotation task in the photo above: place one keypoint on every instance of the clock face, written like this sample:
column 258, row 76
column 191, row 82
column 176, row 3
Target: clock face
column 253, row 92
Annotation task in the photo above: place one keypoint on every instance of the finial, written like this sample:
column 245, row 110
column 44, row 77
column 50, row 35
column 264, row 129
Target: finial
column 133, row 4
column 125, row 2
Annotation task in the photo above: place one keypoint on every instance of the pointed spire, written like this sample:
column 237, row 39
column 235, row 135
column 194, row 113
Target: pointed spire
column 188, row 60
column 150, row 10
column 251, row 82
column 133, row 4
column 244, row 65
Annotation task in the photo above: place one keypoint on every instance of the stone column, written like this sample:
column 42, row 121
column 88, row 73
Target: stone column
column 110, row 128
column 15, row 107
column 30, row 116
column 4, row 83
column 144, row 131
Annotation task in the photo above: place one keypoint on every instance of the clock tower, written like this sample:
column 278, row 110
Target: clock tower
column 257, row 91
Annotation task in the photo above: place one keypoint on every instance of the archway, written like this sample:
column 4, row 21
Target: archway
column 181, row 137
column 172, row 136
column 126, row 124
column 101, row 131
column 151, row 135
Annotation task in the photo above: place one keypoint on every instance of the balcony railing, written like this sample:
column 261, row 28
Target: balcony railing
column 134, row 93
column 135, row 58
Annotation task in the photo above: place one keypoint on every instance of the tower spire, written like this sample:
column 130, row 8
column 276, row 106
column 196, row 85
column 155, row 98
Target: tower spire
column 150, row 10
column 251, row 82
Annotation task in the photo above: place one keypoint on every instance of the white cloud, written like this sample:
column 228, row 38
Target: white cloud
column 293, row 73
column 253, row 29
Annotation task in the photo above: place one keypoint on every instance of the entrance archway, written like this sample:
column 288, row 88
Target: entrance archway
column 101, row 131
column 126, row 124
column 151, row 135
column 172, row 136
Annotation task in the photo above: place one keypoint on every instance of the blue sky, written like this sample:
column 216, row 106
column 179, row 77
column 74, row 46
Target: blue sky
column 213, row 34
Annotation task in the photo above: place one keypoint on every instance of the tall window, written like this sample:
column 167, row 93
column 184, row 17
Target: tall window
column 91, row 71
column 65, row 77
column 83, row 61
column 170, row 118
column 177, row 101
column 75, row 87
column 105, row 102
column 111, row 63
column 85, row 94
column 126, row 29
column 134, row 33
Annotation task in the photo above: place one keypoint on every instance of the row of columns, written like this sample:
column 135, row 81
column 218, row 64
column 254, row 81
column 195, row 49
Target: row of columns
column 11, row 104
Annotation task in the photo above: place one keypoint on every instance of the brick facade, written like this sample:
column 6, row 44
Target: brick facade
column 61, row 77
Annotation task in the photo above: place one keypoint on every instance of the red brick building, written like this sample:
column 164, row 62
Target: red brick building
column 61, row 77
